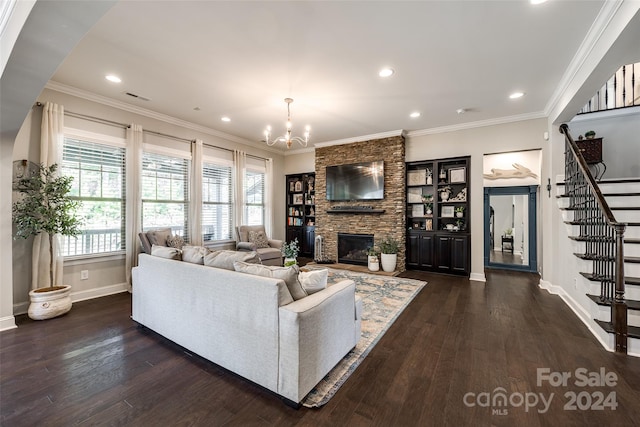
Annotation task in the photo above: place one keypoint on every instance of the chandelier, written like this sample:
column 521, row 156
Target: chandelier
column 287, row 138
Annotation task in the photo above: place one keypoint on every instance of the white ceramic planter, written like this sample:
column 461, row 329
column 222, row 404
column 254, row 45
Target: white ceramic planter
column 373, row 263
column 389, row 262
column 49, row 304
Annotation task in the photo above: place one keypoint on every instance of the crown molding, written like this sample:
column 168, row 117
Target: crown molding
column 478, row 124
column 99, row 99
column 600, row 24
column 299, row 151
column 381, row 135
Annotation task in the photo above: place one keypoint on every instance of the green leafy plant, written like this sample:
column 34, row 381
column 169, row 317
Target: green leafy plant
column 45, row 206
column 389, row 245
column 589, row 134
column 291, row 249
column 372, row 251
column 508, row 231
column 460, row 209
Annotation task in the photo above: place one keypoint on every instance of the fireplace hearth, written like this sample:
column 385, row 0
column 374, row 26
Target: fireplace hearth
column 352, row 248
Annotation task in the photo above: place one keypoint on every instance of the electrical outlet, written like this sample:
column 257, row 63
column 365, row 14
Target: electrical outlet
column 575, row 283
column 84, row 274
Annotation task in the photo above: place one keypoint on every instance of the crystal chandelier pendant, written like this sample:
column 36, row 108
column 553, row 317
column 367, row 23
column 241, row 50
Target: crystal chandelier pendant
column 287, row 138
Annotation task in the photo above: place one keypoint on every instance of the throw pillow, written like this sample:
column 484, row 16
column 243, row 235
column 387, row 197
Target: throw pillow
column 313, row 281
column 288, row 274
column 166, row 252
column 175, row 241
column 259, row 238
column 159, row 237
column 225, row 259
column 194, row 254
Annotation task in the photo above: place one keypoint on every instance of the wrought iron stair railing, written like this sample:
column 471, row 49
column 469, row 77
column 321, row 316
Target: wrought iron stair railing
column 602, row 235
column 622, row 90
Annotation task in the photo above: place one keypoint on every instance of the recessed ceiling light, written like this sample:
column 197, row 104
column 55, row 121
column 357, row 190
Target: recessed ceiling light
column 386, row 72
column 461, row 111
column 225, row 119
column 112, row 78
column 516, row 95
column 414, row 114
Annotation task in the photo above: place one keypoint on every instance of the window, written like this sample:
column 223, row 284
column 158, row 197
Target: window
column 254, row 197
column 165, row 193
column 98, row 170
column 217, row 202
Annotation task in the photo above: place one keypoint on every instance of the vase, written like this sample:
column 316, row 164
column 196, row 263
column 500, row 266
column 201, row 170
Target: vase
column 444, row 196
column 373, row 263
column 47, row 304
column 290, row 261
column 388, row 262
column 429, row 211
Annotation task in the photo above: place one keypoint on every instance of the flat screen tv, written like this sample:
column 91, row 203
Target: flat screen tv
column 356, row 181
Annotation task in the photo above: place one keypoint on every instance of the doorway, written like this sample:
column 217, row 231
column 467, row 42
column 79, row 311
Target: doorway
column 510, row 232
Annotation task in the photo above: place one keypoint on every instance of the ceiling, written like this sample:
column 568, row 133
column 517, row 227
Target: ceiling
column 241, row 59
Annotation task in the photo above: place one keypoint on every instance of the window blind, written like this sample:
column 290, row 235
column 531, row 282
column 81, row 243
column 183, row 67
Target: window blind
column 217, row 202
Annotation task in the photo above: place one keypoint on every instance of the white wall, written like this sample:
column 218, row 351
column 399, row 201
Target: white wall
column 521, row 135
column 620, row 130
column 107, row 275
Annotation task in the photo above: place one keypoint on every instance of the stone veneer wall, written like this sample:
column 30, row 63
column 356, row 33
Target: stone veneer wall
column 392, row 222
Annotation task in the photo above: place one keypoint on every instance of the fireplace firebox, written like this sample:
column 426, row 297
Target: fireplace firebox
column 352, row 248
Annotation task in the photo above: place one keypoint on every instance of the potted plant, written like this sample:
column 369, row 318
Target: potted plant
column 290, row 252
column 373, row 263
column 590, row 134
column 445, row 193
column 389, row 248
column 508, row 232
column 427, row 200
column 459, row 211
column 44, row 206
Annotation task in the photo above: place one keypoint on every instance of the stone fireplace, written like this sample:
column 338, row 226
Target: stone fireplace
column 352, row 248
column 376, row 218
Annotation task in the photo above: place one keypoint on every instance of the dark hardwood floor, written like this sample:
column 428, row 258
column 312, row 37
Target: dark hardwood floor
column 93, row 366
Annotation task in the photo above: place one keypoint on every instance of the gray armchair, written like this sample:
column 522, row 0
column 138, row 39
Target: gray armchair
column 254, row 238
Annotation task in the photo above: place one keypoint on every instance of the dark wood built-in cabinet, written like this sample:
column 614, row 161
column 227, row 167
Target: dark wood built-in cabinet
column 438, row 237
column 301, row 215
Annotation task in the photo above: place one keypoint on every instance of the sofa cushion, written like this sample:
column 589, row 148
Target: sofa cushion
column 159, row 236
column 175, row 241
column 194, row 254
column 166, row 252
column 313, row 281
column 225, row 259
column 288, row 274
column 259, row 238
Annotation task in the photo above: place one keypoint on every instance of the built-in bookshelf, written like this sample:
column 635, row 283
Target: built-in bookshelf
column 300, row 210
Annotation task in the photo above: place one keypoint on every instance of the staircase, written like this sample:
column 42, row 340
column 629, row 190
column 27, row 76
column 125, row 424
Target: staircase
column 603, row 222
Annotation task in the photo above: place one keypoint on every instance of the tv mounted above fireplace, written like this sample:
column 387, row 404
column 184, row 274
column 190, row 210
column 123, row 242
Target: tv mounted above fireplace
column 356, row 181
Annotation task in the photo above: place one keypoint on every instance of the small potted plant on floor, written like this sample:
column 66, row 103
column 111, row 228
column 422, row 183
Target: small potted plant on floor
column 389, row 248
column 373, row 263
column 290, row 252
column 44, row 206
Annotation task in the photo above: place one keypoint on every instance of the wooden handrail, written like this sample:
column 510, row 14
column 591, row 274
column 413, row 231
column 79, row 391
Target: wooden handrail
column 619, row 318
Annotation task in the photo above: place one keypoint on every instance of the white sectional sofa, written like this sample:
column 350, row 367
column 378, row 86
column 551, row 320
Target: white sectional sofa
column 248, row 324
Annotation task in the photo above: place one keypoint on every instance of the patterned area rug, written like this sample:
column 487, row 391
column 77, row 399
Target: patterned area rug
column 383, row 299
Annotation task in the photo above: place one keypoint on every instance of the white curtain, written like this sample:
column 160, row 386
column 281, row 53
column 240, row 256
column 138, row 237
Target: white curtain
column 51, row 139
column 240, row 168
column 195, row 201
column 268, row 192
column 134, row 200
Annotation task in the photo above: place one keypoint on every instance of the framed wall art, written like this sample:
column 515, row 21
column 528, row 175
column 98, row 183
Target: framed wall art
column 417, row 177
column 457, row 175
column 447, row 211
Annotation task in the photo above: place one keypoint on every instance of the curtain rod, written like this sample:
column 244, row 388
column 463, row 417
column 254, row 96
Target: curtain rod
column 126, row 126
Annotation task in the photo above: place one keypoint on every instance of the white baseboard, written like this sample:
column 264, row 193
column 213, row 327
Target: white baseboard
column 23, row 307
column 8, row 322
column 478, row 277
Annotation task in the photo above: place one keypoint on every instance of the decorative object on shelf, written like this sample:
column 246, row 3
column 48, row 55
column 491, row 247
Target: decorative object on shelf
column 414, row 195
column 508, row 232
column 290, row 252
column 427, row 199
column 590, row 134
column 457, row 175
column 417, row 177
column 312, row 211
column 447, row 212
column 445, row 193
column 44, row 206
column 428, row 224
column 460, row 224
column 287, row 138
column 310, row 182
column 297, row 199
column 373, row 262
column 417, row 211
column 292, row 186
column 460, row 211
column 389, row 248
column 429, row 177
column 443, row 175
column 298, row 186
column 461, row 196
